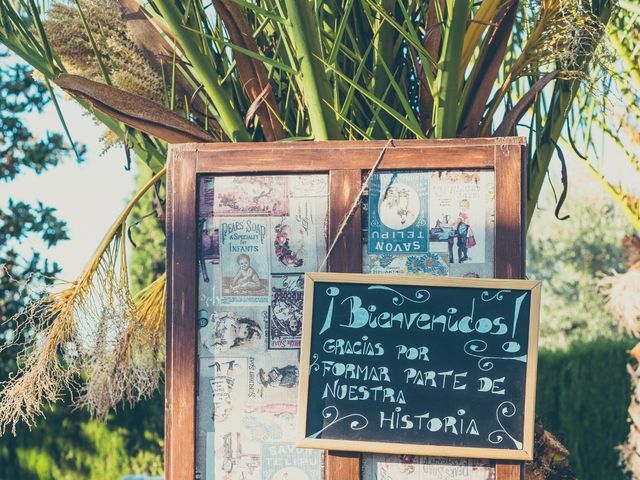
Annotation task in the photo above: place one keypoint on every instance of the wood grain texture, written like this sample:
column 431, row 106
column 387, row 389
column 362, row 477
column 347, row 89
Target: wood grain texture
column 344, row 186
column 509, row 470
column 510, row 212
column 180, row 393
column 325, row 156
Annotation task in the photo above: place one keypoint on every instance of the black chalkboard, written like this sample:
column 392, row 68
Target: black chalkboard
column 420, row 366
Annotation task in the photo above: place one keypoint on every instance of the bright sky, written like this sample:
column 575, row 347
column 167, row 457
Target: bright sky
column 88, row 196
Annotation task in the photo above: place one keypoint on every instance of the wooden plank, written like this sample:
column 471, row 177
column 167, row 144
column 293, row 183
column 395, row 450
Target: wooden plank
column 274, row 161
column 325, row 156
column 344, row 186
column 181, row 325
column 351, row 145
column 510, row 212
column 509, row 470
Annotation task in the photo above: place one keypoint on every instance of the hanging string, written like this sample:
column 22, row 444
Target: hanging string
column 356, row 202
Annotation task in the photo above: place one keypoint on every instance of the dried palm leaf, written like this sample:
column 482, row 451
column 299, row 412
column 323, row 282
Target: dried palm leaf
column 133, row 110
column 82, row 329
column 622, row 291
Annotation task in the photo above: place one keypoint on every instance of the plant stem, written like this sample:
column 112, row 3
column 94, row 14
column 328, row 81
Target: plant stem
column 446, row 98
column 317, row 89
column 230, row 119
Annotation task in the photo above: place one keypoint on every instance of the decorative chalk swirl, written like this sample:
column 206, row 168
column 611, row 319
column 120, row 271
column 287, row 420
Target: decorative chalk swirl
column 314, row 365
column 359, row 423
column 497, row 296
column 421, row 296
column 507, row 410
column 477, row 347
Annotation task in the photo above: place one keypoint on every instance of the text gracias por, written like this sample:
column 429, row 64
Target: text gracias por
column 361, row 316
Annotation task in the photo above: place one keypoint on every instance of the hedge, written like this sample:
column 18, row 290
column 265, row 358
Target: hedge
column 583, row 395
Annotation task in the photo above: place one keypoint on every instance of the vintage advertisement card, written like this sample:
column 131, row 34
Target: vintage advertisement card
column 398, row 213
column 412, row 467
column 457, row 208
column 434, row 264
column 273, row 382
column 251, row 195
column 234, row 458
column 308, row 185
column 283, row 461
column 285, row 322
column 299, row 240
column 234, row 331
column 244, row 250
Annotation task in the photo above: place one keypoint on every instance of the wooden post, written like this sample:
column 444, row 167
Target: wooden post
column 346, row 257
column 180, row 380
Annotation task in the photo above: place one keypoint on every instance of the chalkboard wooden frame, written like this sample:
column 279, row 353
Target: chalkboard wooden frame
column 526, row 453
column 344, row 161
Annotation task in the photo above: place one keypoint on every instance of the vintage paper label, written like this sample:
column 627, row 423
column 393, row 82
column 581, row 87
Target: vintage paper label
column 251, row 196
column 273, row 381
column 235, row 330
column 434, row 264
column 244, row 246
column 398, row 213
column 299, row 240
column 457, row 208
column 285, row 321
column 308, row 185
column 283, row 461
column 411, row 467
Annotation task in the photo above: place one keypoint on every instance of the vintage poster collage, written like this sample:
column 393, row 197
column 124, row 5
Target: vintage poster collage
column 437, row 223
column 257, row 237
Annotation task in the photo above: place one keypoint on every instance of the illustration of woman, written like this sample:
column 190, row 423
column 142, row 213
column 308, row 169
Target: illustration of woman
column 463, row 233
column 288, row 317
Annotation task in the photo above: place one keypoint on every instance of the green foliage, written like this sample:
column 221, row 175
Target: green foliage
column 20, row 151
column 71, row 446
column 19, row 148
column 568, row 257
column 583, row 395
column 146, row 235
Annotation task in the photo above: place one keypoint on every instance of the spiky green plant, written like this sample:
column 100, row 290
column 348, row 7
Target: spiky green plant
column 272, row 70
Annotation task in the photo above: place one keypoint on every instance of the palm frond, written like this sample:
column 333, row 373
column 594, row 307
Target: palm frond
column 79, row 329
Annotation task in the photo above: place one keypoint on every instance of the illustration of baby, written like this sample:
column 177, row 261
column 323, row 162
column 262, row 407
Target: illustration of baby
column 246, row 278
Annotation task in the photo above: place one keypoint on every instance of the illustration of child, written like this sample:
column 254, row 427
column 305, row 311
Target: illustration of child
column 286, row 376
column 231, row 331
column 246, row 278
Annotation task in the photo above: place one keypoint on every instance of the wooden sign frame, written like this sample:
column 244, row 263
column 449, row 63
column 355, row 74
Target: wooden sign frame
column 344, row 163
column 411, row 448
